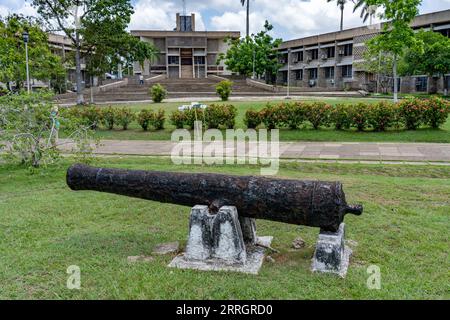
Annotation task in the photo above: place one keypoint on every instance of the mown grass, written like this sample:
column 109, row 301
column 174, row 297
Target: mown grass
column 45, row 227
column 135, row 132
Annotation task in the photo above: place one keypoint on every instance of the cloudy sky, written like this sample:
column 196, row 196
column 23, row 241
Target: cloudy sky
column 291, row 18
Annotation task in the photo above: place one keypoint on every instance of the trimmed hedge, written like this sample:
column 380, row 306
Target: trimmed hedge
column 410, row 114
column 213, row 117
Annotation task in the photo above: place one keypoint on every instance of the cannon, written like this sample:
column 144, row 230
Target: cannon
column 308, row 203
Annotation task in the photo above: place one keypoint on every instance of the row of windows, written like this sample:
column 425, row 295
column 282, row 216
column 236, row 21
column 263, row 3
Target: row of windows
column 175, row 60
column 347, row 72
column 346, row 50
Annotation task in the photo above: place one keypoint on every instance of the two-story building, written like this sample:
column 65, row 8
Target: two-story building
column 334, row 61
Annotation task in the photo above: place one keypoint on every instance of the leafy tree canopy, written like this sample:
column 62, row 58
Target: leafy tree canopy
column 433, row 58
column 258, row 48
column 44, row 65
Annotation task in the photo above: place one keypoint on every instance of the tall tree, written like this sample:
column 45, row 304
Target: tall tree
column 248, row 15
column 44, row 65
column 341, row 5
column 256, row 51
column 367, row 11
column 397, row 34
column 84, row 23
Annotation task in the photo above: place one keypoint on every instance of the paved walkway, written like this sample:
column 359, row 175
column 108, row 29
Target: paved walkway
column 380, row 152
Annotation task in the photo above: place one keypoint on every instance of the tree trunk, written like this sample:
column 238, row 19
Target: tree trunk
column 248, row 18
column 342, row 17
column 395, row 80
column 80, row 97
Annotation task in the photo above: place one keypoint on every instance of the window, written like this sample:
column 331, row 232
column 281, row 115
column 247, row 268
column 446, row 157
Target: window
column 315, row 54
column 298, row 56
column 331, row 52
column 347, row 71
column 421, row 84
column 329, row 72
column 298, row 74
column 347, row 50
column 174, row 60
column 199, row 60
column 313, row 74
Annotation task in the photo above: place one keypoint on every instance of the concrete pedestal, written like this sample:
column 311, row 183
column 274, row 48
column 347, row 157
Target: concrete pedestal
column 222, row 241
column 332, row 255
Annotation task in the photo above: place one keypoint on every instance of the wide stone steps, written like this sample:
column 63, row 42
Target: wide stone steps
column 177, row 88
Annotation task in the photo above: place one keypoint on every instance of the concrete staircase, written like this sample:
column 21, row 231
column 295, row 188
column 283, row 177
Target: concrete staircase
column 177, row 88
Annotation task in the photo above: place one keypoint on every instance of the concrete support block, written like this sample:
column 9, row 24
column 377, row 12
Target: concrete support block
column 222, row 242
column 199, row 245
column 228, row 243
column 332, row 255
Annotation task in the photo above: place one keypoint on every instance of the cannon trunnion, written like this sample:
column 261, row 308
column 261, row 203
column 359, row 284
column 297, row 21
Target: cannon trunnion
column 309, row 203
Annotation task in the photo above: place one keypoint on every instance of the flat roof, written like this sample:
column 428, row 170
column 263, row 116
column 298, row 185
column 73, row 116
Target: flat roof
column 438, row 17
column 165, row 34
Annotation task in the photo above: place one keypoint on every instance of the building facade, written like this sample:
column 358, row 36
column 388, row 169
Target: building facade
column 185, row 52
column 334, row 61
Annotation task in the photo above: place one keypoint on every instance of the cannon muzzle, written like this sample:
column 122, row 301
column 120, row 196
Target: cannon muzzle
column 309, row 203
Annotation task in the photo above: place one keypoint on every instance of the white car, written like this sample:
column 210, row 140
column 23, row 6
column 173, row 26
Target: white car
column 193, row 105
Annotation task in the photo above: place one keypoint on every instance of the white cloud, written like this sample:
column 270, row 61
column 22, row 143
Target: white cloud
column 24, row 8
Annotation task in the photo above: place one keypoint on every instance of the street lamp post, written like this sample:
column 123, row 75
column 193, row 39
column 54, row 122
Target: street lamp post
column 289, row 75
column 26, row 38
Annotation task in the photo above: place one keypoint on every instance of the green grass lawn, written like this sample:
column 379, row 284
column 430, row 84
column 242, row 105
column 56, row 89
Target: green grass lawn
column 45, row 227
column 307, row 134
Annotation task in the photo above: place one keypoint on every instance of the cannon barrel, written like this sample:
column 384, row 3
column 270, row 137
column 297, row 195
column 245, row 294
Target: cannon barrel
column 309, row 203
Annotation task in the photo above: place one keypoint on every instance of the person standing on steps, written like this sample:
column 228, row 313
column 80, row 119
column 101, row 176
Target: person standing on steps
column 141, row 79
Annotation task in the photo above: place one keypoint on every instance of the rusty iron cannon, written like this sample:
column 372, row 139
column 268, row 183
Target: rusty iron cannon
column 309, row 203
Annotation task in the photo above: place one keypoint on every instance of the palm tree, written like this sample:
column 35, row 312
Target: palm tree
column 341, row 4
column 367, row 11
column 248, row 15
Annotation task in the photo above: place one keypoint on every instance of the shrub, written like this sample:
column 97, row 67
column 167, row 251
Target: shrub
column 290, row 115
column 252, row 119
column 124, row 117
column 144, row 118
column 220, row 115
column 230, row 113
column 158, row 120
column 412, row 112
column 358, row 115
column 214, row 116
column 108, row 117
column 158, row 93
column 340, row 117
column 381, row 115
column 224, row 89
column 91, row 116
column 436, row 112
column 270, row 116
column 193, row 115
column 178, row 119
column 318, row 113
